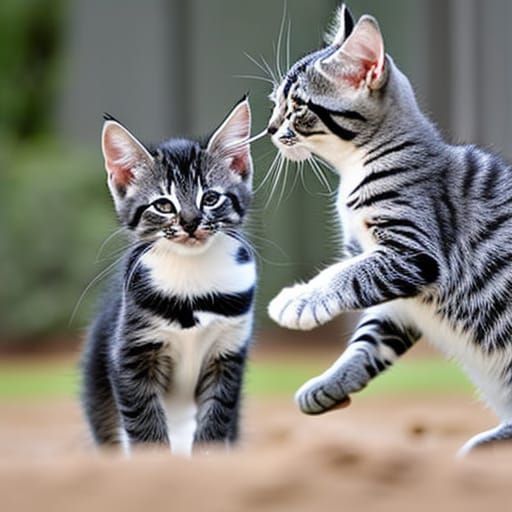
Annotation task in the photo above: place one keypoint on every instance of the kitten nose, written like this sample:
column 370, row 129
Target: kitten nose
column 287, row 137
column 190, row 224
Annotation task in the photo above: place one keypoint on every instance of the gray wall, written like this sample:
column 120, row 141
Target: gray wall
column 168, row 67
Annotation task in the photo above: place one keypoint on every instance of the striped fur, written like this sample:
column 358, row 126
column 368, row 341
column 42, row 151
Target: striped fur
column 428, row 226
column 164, row 360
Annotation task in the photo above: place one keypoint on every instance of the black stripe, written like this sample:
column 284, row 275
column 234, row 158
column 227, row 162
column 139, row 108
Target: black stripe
column 471, row 169
column 390, row 222
column 397, row 343
column 177, row 309
column 383, row 196
column 236, row 203
column 137, row 215
column 356, row 287
column 380, row 175
column 349, row 22
column 325, row 116
column 491, row 178
column 305, row 133
column 137, row 350
column 349, row 114
column 393, row 149
column 366, row 338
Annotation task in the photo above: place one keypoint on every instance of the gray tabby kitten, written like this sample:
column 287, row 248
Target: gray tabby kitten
column 428, row 226
column 164, row 360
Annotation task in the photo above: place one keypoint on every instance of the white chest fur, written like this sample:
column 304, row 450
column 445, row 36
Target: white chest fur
column 188, row 275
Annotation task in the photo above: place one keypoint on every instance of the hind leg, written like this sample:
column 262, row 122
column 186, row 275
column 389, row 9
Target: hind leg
column 98, row 401
column 376, row 344
column 488, row 438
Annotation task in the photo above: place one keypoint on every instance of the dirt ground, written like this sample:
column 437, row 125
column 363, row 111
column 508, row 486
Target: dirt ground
column 380, row 453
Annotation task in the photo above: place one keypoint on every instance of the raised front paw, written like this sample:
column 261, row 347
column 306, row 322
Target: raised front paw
column 300, row 307
column 318, row 396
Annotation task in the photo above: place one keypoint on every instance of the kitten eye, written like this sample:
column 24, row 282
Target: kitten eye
column 210, row 198
column 164, row 206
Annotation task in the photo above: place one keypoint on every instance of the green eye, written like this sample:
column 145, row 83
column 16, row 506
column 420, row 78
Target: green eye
column 210, row 198
column 164, row 206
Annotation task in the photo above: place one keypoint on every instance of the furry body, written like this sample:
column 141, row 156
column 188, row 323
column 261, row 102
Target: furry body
column 164, row 360
column 427, row 226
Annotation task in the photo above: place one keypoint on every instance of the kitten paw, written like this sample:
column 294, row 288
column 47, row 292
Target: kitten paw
column 299, row 307
column 315, row 397
column 332, row 389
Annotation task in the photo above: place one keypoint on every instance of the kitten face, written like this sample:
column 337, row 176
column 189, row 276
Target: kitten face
column 180, row 191
column 333, row 96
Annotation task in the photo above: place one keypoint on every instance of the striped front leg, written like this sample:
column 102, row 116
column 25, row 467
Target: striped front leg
column 140, row 377
column 218, row 398
column 359, row 283
column 376, row 344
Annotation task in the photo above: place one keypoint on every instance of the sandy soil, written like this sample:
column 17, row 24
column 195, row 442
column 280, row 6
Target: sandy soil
column 380, row 454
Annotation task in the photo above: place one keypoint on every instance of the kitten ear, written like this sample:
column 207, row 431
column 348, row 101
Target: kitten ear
column 228, row 140
column 123, row 154
column 361, row 58
column 341, row 28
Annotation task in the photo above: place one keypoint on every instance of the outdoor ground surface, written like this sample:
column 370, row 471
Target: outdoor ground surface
column 392, row 449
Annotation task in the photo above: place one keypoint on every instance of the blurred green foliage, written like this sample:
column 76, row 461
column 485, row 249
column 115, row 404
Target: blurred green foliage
column 54, row 206
column 54, row 213
column 30, row 33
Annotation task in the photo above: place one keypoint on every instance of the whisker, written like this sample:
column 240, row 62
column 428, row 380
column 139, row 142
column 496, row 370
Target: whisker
column 135, row 266
column 294, row 182
column 279, row 42
column 244, row 142
column 263, row 68
column 100, row 276
column 273, row 73
column 274, row 186
column 269, row 173
column 321, row 167
column 122, row 229
column 285, row 180
column 319, row 174
column 288, row 60
column 255, row 77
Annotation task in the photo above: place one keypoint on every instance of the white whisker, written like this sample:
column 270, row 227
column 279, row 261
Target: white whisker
column 285, row 180
column 245, row 142
column 288, row 60
column 269, row 172
column 255, row 77
column 100, row 276
column 135, row 266
column 279, row 42
column 107, row 240
column 263, row 68
column 274, row 186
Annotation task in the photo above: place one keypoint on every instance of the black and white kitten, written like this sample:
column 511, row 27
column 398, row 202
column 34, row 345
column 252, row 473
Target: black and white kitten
column 164, row 360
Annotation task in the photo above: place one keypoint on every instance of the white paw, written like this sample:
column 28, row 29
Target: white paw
column 298, row 307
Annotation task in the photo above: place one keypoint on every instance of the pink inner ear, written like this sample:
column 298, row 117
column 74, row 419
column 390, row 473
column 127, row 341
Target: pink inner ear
column 122, row 176
column 240, row 163
column 119, row 161
column 365, row 50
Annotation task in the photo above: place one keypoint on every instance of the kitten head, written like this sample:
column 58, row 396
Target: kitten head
column 335, row 96
column 180, row 191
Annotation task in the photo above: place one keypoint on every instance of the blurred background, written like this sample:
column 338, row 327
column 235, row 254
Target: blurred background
column 170, row 68
column 174, row 67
